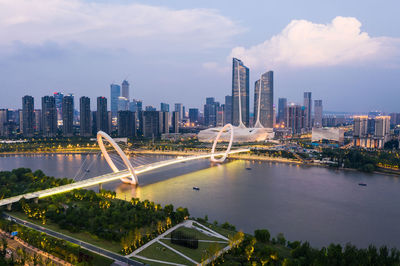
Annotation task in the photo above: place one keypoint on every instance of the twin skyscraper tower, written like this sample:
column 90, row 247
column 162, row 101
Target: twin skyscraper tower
column 263, row 97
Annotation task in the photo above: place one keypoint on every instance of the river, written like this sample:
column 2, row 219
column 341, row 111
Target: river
column 314, row 204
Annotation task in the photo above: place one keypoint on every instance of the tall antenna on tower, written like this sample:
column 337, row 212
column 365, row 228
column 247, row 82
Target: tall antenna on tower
column 258, row 123
column 241, row 125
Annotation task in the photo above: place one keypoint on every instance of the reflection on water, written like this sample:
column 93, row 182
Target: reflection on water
column 305, row 203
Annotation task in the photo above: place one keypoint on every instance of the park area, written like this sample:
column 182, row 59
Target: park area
column 188, row 243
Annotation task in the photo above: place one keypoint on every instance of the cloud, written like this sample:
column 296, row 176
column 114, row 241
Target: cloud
column 215, row 67
column 303, row 43
column 112, row 25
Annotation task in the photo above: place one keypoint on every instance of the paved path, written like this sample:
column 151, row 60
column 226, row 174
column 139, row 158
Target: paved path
column 90, row 247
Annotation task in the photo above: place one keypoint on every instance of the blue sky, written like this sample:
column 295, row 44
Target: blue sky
column 346, row 52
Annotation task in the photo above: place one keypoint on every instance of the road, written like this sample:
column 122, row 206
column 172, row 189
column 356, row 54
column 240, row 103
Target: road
column 84, row 245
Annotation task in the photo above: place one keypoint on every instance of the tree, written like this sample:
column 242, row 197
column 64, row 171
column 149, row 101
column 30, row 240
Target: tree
column 262, row 235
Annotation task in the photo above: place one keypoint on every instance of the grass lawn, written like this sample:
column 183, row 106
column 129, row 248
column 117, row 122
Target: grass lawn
column 195, row 254
column 159, row 252
column 84, row 236
column 196, row 233
column 218, row 229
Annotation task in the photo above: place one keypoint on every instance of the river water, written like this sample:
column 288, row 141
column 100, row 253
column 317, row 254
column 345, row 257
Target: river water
column 316, row 204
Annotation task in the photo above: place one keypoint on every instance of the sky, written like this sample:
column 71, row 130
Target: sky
column 346, row 53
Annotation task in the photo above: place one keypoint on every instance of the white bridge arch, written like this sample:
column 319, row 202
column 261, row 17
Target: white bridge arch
column 223, row 158
column 133, row 178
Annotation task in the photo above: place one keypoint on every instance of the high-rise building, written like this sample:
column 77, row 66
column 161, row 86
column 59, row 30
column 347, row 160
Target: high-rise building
column 194, row 115
column 228, row 110
column 164, row 122
column 264, row 100
column 123, row 104
column 210, row 112
column 102, row 115
column 150, row 108
column 164, row 107
column 58, row 97
column 296, row 118
column 49, row 116
column 360, row 127
column 219, row 117
column 85, row 117
column 38, row 120
column 308, row 110
column 282, row 111
column 68, row 115
column 115, row 90
column 179, row 109
column 240, row 94
column 318, row 113
column 175, row 122
column 94, row 123
column 125, row 89
column 126, row 124
column 3, row 121
column 382, row 126
column 394, row 119
column 28, row 115
column 150, row 124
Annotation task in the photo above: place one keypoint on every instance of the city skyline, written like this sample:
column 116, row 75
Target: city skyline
column 361, row 56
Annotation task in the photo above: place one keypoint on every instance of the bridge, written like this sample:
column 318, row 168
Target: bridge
column 128, row 175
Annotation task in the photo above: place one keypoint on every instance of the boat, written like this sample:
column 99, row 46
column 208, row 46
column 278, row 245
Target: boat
column 362, row 184
column 196, row 188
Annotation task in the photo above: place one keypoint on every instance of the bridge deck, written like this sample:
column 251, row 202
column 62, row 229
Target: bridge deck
column 108, row 177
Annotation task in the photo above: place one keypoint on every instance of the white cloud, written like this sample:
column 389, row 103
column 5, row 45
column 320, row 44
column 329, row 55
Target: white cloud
column 124, row 26
column 303, row 43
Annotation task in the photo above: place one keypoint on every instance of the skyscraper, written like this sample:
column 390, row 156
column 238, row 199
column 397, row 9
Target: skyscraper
column 228, row 110
column 85, row 116
column 151, row 124
column 28, row 115
column 194, row 115
column 125, row 89
column 308, row 110
column 38, row 120
column 164, row 122
column 264, row 100
column 164, row 107
column 102, row 114
column 126, row 124
column 3, row 121
column 115, row 93
column 123, row 103
column 175, row 122
column 318, row 113
column 210, row 112
column 282, row 111
column 49, row 116
column 240, row 87
column 68, row 115
column 296, row 118
column 219, row 115
column 58, row 97
column 179, row 109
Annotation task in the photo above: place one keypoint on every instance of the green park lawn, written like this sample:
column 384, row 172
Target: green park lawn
column 217, row 228
column 195, row 233
column 195, row 254
column 158, row 252
column 84, row 236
